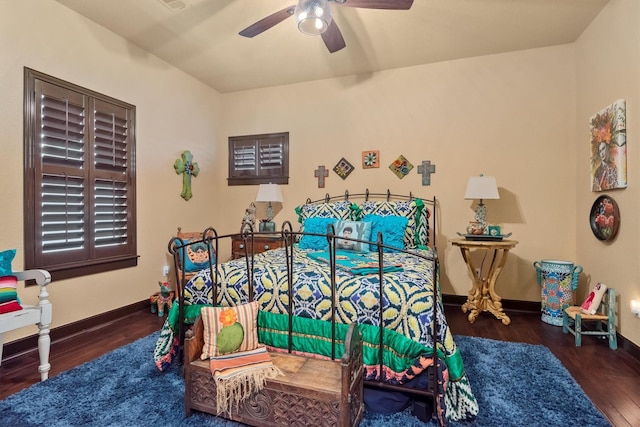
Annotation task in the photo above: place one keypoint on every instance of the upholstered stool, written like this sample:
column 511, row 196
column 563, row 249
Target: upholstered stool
column 573, row 317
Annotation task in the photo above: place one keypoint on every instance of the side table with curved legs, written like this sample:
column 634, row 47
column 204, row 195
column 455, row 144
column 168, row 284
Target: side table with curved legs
column 483, row 296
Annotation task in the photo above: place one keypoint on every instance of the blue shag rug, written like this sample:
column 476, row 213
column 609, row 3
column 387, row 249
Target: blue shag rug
column 515, row 385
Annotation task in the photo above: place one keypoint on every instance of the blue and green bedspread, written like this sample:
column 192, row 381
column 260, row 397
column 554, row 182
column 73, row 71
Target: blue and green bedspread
column 407, row 306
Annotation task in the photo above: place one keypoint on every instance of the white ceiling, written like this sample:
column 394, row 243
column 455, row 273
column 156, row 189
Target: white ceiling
column 202, row 39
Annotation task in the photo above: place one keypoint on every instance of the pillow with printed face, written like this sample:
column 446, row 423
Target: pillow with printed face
column 317, row 226
column 6, row 258
column 9, row 294
column 355, row 230
column 196, row 256
column 392, row 227
column 229, row 329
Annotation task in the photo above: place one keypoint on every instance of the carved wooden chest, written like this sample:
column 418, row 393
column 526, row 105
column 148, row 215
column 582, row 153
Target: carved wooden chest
column 313, row 392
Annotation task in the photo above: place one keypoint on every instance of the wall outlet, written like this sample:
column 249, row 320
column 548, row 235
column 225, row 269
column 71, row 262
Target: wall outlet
column 165, row 270
column 478, row 273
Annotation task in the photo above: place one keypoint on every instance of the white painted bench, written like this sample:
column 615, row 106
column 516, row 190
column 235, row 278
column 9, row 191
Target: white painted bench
column 39, row 315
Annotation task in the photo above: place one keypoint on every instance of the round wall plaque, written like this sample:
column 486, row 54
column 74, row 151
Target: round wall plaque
column 604, row 218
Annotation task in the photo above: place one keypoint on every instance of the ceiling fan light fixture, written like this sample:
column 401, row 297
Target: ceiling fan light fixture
column 313, row 17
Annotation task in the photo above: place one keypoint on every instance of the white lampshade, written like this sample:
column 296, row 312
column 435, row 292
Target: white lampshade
column 313, row 16
column 269, row 193
column 481, row 187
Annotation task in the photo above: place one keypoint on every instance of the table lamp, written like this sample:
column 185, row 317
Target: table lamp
column 268, row 193
column 480, row 188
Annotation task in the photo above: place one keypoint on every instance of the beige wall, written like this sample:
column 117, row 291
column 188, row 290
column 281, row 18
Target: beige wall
column 519, row 116
column 506, row 115
column 174, row 113
column 608, row 69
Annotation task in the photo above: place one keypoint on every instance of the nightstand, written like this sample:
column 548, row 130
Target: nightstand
column 483, row 296
column 261, row 243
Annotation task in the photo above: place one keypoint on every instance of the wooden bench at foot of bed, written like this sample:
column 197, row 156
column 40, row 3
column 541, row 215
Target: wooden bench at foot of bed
column 313, row 391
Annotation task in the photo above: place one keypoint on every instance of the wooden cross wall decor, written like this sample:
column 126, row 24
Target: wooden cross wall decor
column 187, row 167
column 426, row 169
column 321, row 173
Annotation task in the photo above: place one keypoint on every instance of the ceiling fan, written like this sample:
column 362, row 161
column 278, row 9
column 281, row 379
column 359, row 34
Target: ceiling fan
column 314, row 17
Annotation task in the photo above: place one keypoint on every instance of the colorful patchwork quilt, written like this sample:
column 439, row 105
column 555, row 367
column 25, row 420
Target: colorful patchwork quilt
column 407, row 303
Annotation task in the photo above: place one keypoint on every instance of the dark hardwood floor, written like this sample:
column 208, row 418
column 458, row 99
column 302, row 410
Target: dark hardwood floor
column 610, row 378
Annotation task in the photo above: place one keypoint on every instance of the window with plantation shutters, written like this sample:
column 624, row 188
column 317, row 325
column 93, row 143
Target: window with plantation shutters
column 259, row 159
column 79, row 179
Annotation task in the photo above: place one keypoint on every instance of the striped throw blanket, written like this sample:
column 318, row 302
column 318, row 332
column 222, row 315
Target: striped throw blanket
column 238, row 375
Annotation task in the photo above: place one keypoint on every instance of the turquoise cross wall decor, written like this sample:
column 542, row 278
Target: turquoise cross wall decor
column 187, row 167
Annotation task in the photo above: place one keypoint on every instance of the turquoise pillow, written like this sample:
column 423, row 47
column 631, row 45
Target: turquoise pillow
column 315, row 225
column 416, row 232
column 356, row 230
column 392, row 227
column 6, row 257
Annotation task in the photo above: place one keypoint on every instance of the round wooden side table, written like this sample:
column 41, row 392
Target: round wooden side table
column 483, row 296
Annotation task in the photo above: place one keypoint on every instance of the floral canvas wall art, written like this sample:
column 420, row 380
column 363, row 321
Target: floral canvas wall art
column 608, row 133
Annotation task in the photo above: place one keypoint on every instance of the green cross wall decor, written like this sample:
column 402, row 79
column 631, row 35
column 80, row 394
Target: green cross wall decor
column 187, row 167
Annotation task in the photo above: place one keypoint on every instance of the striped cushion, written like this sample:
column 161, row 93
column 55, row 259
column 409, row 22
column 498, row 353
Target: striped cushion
column 10, row 306
column 8, row 289
column 9, row 294
column 229, row 329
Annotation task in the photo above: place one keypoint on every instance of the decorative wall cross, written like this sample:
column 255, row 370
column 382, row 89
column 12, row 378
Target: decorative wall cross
column 321, row 173
column 187, row 167
column 426, row 169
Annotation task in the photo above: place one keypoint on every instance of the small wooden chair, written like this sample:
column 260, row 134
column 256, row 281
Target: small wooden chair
column 574, row 316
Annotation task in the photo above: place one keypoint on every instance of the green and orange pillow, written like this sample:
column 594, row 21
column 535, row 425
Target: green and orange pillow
column 229, row 329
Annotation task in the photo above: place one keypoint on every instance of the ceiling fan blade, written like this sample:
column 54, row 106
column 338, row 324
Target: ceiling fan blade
column 265, row 23
column 377, row 4
column 332, row 38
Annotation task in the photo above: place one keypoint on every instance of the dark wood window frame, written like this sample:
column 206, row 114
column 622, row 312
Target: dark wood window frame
column 79, row 179
column 259, row 159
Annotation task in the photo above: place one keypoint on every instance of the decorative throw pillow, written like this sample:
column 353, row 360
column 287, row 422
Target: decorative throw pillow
column 355, row 230
column 411, row 209
column 9, row 294
column 337, row 210
column 392, row 227
column 196, row 257
column 319, row 226
column 6, row 258
column 229, row 329
column 592, row 303
column 422, row 226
